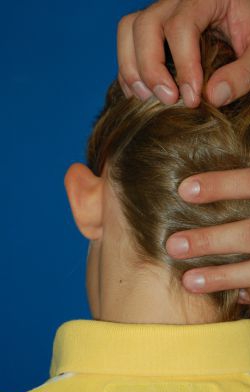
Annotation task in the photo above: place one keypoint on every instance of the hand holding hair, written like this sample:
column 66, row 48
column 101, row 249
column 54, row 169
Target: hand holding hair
column 141, row 56
column 223, row 239
column 142, row 71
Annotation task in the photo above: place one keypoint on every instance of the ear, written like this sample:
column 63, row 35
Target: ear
column 85, row 191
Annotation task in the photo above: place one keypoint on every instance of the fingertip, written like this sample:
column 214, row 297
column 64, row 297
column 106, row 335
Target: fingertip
column 219, row 93
column 165, row 94
column 194, row 282
column 157, row 78
column 178, row 246
column 189, row 189
column 190, row 98
column 229, row 82
column 141, row 90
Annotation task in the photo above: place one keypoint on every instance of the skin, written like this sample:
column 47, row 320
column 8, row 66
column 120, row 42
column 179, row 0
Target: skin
column 141, row 60
column 120, row 287
column 229, row 238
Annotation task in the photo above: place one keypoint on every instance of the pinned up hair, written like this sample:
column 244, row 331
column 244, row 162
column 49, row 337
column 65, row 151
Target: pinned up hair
column 151, row 147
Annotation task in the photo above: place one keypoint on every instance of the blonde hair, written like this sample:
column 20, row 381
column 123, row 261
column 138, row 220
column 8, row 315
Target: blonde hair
column 151, row 147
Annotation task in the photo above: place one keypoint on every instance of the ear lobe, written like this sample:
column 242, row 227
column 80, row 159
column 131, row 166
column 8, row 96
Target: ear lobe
column 85, row 194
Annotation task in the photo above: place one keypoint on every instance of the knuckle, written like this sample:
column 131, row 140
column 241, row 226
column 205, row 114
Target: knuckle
column 203, row 242
column 208, row 186
column 140, row 21
column 217, row 278
column 173, row 25
column 128, row 20
column 123, row 21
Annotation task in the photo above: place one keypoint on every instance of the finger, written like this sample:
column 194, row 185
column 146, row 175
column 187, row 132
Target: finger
column 150, row 56
column 212, row 279
column 183, row 41
column 183, row 30
column 223, row 239
column 127, row 91
column 217, row 185
column 230, row 81
column 127, row 59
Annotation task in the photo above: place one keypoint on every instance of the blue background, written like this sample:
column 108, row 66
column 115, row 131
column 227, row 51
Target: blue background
column 57, row 60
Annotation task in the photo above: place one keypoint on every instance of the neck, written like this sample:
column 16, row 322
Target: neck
column 121, row 292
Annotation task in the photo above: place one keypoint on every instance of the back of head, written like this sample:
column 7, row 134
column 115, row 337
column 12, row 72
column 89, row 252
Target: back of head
column 150, row 148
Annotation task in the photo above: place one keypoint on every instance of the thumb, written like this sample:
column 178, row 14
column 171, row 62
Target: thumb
column 230, row 82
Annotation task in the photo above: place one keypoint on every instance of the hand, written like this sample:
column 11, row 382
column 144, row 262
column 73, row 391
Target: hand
column 141, row 57
column 228, row 238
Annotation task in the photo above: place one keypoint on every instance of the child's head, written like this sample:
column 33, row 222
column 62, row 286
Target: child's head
column 139, row 152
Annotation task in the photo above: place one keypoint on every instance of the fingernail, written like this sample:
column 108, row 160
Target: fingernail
column 190, row 189
column 194, row 282
column 164, row 94
column 188, row 95
column 141, row 90
column 243, row 294
column 178, row 246
column 221, row 94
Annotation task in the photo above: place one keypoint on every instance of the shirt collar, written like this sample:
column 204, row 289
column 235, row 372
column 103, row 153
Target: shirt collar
column 103, row 347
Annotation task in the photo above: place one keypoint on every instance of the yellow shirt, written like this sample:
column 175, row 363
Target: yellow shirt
column 117, row 357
